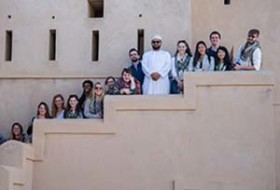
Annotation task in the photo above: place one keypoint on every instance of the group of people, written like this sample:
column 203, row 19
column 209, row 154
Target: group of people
column 157, row 73
column 164, row 75
column 88, row 105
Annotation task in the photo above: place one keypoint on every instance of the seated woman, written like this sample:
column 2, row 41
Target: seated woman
column 201, row 60
column 42, row 113
column 73, row 110
column 94, row 104
column 58, row 107
column 222, row 61
column 111, row 88
column 17, row 133
column 127, row 85
column 180, row 63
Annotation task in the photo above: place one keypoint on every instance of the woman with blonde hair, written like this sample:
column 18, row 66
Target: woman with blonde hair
column 94, row 104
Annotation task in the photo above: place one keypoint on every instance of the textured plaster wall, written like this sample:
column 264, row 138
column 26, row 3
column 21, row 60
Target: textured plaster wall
column 31, row 22
column 20, row 98
column 233, row 21
column 22, row 86
column 30, row 77
column 16, row 166
column 201, row 141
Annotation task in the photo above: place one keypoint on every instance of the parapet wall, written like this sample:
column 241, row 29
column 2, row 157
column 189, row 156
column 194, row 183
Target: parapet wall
column 16, row 166
column 219, row 135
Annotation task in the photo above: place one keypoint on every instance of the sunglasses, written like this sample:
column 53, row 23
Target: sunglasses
column 156, row 42
column 98, row 88
column 252, row 36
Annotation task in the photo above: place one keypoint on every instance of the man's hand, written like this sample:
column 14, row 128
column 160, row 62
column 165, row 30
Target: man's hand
column 125, row 91
column 180, row 85
column 244, row 68
column 131, row 78
column 155, row 76
column 237, row 67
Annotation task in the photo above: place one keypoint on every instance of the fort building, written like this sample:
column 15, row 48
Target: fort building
column 222, row 134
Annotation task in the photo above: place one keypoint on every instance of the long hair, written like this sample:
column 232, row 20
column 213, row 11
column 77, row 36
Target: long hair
column 68, row 107
column 94, row 96
column 54, row 107
column 12, row 130
column 227, row 61
column 197, row 54
column 46, row 107
column 188, row 50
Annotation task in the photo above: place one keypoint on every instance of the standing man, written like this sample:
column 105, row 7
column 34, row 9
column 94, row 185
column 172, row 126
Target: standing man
column 249, row 56
column 156, row 66
column 136, row 65
column 215, row 39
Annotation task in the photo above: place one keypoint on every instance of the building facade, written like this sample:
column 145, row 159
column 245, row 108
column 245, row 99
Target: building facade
column 50, row 47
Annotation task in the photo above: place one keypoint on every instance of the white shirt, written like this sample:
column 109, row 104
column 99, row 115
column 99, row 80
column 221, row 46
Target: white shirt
column 160, row 62
column 61, row 115
column 257, row 58
column 206, row 65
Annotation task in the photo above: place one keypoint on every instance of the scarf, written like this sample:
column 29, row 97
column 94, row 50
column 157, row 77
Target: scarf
column 181, row 65
column 247, row 50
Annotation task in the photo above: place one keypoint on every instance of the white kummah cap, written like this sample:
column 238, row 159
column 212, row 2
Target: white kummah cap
column 156, row 37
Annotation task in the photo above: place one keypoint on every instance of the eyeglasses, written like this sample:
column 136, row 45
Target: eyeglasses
column 98, row 88
column 252, row 36
column 156, row 42
column 110, row 81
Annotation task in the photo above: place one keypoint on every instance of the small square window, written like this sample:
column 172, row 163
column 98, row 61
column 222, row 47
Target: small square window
column 227, row 2
column 96, row 8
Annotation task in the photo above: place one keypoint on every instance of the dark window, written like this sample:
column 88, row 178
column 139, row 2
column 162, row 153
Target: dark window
column 96, row 8
column 9, row 45
column 95, row 45
column 227, row 2
column 52, row 45
column 140, row 41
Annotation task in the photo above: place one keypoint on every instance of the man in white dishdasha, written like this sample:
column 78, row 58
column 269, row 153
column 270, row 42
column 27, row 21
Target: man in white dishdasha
column 156, row 65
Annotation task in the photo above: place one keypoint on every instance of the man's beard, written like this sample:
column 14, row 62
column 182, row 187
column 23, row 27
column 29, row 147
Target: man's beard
column 156, row 47
column 249, row 43
column 134, row 60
